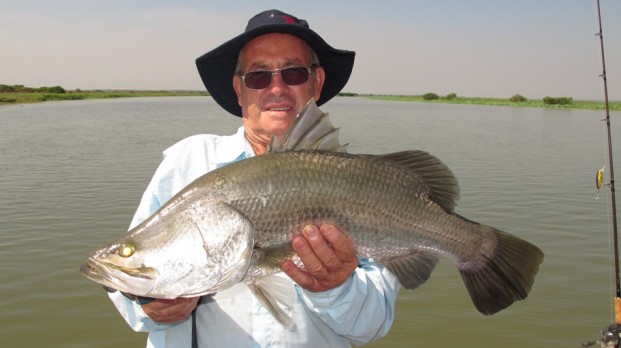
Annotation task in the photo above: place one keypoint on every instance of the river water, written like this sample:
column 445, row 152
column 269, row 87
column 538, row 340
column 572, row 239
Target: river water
column 72, row 174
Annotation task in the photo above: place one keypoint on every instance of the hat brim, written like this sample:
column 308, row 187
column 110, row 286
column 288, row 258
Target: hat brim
column 217, row 66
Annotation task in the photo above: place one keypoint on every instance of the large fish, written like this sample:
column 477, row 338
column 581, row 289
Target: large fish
column 235, row 224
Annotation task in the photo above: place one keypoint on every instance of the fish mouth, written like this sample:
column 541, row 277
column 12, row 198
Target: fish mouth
column 107, row 273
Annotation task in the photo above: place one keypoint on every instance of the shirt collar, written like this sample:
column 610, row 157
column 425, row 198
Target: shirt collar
column 240, row 148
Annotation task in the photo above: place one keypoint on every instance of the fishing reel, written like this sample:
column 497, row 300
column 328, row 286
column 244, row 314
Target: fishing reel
column 609, row 339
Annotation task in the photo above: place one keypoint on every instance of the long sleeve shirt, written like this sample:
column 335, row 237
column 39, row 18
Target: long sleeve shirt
column 358, row 311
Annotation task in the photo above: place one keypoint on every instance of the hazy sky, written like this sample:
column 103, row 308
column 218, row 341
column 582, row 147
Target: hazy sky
column 487, row 48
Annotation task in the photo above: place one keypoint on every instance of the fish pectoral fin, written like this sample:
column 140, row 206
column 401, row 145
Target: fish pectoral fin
column 412, row 269
column 273, row 291
column 271, row 257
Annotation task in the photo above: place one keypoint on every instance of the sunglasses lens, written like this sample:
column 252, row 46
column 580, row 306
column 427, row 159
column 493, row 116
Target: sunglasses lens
column 258, row 79
column 294, row 76
column 262, row 79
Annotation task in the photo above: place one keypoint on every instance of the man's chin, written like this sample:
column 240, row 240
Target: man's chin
column 280, row 121
column 280, row 114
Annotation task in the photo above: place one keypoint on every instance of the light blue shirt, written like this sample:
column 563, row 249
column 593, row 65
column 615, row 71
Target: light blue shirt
column 358, row 311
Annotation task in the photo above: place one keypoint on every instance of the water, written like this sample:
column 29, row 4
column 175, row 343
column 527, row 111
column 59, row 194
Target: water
column 72, row 174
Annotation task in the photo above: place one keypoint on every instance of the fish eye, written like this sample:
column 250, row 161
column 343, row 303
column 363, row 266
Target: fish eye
column 127, row 249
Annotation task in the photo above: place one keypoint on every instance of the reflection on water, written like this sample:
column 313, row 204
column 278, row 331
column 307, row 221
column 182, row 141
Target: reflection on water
column 73, row 172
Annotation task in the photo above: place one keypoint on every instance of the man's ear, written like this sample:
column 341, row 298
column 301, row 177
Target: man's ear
column 320, row 77
column 237, row 87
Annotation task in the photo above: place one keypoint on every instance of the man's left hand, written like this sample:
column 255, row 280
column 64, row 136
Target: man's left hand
column 328, row 255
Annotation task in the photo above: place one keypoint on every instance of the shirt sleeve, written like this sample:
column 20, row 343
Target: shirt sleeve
column 362, row 308
column 135, row 316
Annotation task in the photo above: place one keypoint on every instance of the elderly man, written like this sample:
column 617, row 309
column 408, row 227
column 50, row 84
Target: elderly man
column 265, row 76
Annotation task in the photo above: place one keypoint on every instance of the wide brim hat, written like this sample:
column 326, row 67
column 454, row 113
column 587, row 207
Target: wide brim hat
column 217, row 66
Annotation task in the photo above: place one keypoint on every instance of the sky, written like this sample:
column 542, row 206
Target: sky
column 474, row 48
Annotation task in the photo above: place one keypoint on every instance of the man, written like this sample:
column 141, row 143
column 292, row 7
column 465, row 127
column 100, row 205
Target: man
column 266, row 75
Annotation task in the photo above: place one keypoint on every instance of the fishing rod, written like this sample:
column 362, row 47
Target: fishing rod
column 611, row 337
column 611, row 183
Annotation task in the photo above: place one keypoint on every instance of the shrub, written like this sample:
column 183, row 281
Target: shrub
column 451, row 96
column 558, row 101
column 15, row 88
column 54, row 89
column 517, row 98
column 430, row 96
column 23, row 89
column 7, row 88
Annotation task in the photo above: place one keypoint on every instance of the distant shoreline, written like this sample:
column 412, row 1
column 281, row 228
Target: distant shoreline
column 35, row 97
column 7, row 98
column 530, row 103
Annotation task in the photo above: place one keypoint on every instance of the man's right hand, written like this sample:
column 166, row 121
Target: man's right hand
column 170, row 311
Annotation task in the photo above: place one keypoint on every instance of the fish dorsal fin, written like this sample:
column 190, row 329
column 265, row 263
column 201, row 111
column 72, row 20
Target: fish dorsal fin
column 311, row 130
column 442, row 184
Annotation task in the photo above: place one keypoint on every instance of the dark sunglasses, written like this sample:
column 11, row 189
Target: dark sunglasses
column 260, row 79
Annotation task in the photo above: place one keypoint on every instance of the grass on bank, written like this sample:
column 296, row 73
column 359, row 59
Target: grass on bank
column 33, row 97
column 22, row 94
column 533, row 103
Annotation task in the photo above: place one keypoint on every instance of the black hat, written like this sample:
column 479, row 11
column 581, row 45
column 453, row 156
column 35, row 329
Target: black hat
column 217, row 66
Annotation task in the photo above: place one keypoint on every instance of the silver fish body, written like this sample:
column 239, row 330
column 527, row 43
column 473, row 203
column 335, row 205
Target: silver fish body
column 235, row 224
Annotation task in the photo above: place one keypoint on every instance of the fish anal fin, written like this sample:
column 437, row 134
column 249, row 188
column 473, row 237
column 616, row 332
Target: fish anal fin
column 504, row 276
column 412, row 269
column 434, row 174
column 272, row 292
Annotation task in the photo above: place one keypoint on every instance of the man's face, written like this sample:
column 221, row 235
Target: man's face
column 271, row 110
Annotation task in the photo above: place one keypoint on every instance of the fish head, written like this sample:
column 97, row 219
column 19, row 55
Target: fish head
column 118, row 266
column 188, row 253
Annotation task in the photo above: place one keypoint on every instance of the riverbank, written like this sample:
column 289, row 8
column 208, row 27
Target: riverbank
column 14, row 97
column 530, row 103
column 35, row 97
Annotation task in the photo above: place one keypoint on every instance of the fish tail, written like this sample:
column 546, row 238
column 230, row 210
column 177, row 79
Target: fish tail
column 504, row 276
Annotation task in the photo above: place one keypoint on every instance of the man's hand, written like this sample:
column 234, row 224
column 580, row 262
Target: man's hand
column 328, row 255
column 170, row 311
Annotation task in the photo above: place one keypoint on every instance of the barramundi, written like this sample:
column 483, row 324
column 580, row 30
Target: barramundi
column 235, row 224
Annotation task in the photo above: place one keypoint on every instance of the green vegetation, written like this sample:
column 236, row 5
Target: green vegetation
column 5, row 99
column 348, row 94
column 516, row 100
column 22, row 89
column 558, row 101
column 22, row 94
column 450, row 96
column 430, row 96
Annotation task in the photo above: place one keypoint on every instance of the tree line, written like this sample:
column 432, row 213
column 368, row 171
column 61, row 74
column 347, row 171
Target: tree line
column 516, row 98
column 23, row 89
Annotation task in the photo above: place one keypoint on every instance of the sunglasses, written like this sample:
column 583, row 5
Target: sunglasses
column 260, row 79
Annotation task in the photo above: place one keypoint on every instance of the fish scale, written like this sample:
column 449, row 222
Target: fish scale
column 378, row 205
